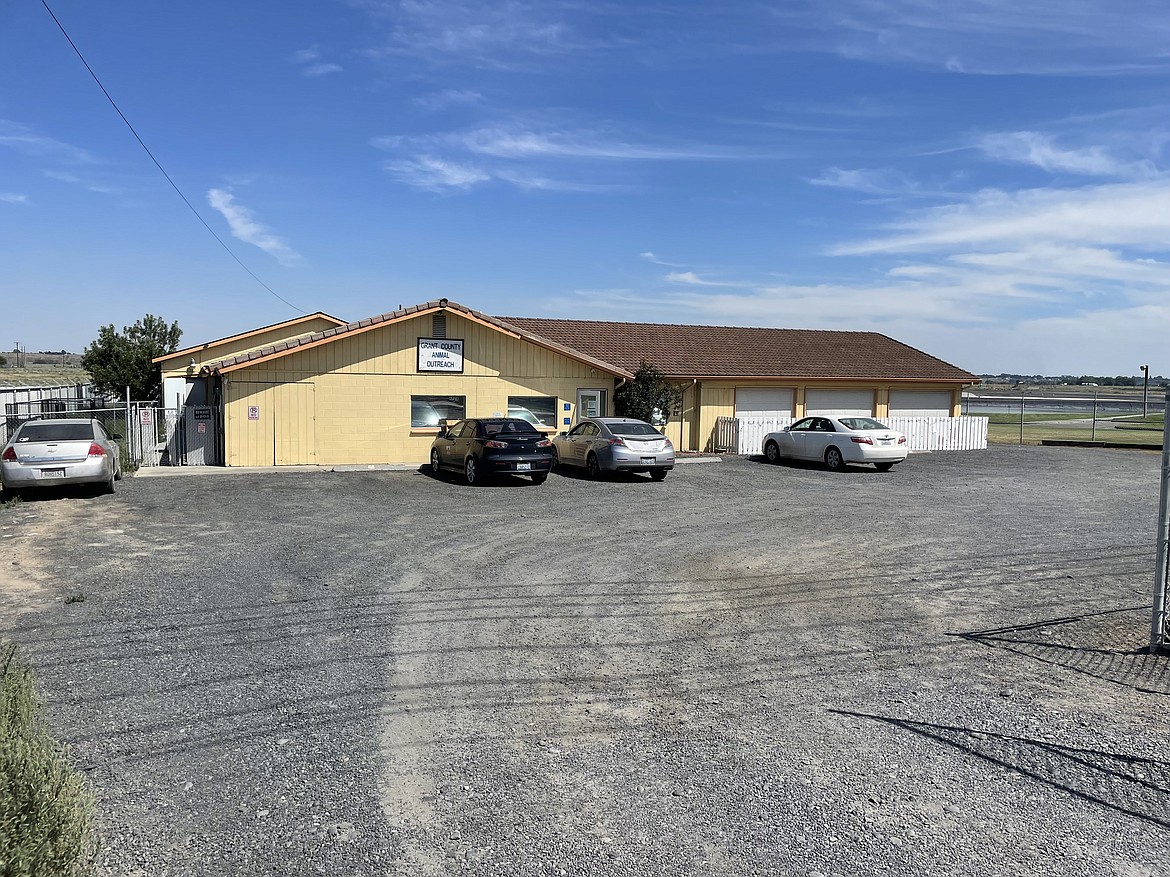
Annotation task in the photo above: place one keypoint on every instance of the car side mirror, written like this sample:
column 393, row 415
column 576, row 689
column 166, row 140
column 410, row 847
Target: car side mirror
column 787, row 428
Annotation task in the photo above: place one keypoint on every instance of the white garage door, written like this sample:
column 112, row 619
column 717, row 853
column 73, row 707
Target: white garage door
column 919, row 403
column 836, row 403
column 763, row 402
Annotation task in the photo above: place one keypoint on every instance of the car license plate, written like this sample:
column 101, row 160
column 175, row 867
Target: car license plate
column 523, row 467
column 52, row 473
column 885, row 441
column 649, row 460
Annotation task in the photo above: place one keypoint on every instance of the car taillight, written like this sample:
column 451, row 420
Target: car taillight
column 544, row 443
column 618, row 441
column 96, row 450
column 9, row 455
column 861, row 440
column 901, row 439
column 492, row 443
column 667, row 442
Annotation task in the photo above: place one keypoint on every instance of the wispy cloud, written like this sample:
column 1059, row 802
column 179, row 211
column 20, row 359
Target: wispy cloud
column 690, row 278
column 651, row 257
column 440, row 100
column 1055, row 37
column 244, row 227
column 27, row 140
column 1041, row 150
column 530, row 158
column 436, row 174
column 1124, row 214
column 880, row 181
column 494, row 34
column 13, row 198
column 311, row 63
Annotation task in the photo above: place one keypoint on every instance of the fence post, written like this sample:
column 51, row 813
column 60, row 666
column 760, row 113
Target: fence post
column 1158, row 632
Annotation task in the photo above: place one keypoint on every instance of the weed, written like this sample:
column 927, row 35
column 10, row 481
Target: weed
column 76, row 597
column 46, row 808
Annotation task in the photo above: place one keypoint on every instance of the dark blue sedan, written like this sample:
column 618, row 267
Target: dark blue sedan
column 483, row 447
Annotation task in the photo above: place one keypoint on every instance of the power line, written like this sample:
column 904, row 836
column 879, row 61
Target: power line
column 174, row 186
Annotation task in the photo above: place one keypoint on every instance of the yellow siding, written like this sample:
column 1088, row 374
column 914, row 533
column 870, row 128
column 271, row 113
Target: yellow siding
column 718, row 401
column 348, row 401
column 230, row 347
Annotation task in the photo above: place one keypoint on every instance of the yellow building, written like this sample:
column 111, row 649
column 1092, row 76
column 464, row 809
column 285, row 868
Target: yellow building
column 318, row 391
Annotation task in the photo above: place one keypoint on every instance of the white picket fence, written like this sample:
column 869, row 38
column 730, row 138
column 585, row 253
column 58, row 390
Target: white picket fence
column 922, row 433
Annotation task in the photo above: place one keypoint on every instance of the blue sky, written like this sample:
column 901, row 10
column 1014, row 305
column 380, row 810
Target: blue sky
column 984, row 179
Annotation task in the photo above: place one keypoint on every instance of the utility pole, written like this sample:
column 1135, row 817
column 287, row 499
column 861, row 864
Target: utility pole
column 1145, row 389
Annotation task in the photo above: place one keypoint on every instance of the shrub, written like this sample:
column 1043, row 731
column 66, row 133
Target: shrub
column 46, row 807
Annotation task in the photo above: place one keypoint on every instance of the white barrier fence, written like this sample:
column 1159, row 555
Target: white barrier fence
column 922, row 433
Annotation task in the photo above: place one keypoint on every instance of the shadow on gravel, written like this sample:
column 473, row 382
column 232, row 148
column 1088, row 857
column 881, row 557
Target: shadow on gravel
column 814, row 465
column 1126, row 784
column 1091, row 643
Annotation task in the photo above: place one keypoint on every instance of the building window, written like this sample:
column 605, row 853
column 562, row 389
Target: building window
column 537, row 410
column 427, row 411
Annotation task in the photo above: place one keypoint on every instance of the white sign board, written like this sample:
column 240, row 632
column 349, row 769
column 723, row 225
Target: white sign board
column 440, row 355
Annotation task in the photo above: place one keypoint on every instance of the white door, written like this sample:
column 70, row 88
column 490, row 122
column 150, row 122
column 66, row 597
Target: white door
column 839, row 403
column 763, row 401
column 920, row 403
column 590, row 403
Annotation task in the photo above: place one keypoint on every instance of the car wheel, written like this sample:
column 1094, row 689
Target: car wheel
column 883, row 467
column 592, row 467
column 658, row 474
column 435, row 462
column 834, row 460
column 556, row 457
column 118, row 472
column 540, row 479
column 108, row 486
column 471, row 471
column 772, row 452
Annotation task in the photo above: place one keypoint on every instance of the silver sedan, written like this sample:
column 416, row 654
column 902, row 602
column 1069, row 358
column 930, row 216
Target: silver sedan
column 612, row 444
column 49, row 453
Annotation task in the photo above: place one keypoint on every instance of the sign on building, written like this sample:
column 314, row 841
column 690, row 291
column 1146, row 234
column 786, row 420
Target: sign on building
column 440, row 355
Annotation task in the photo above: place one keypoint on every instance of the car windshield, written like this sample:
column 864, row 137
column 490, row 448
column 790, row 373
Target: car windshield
column 861, row 423
column 496, row 427
column 634, row 428
column 56, row 432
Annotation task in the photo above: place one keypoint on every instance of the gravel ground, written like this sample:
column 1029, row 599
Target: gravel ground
column 746, row 669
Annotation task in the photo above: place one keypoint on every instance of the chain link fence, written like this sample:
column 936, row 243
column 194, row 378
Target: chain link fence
column 1031, row 416
column 146, row 434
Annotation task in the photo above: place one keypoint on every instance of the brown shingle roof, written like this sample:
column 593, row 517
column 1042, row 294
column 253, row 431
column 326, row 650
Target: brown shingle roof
column 275, row 351
column 304, row 318
column 680, row 351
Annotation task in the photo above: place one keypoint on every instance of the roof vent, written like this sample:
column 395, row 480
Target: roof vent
column 439, row 326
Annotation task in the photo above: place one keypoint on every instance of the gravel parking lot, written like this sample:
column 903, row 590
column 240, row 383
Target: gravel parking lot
column 746, row 669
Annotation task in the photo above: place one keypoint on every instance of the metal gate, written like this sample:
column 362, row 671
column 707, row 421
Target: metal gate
column 201, row 436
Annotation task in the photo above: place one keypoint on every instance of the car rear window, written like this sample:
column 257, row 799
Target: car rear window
column 509, row 427
column 632, row 429
column 56, row 432
column 862, row 423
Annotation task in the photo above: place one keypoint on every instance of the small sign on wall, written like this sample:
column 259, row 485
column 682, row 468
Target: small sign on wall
column 253, row 412
column 440, row 355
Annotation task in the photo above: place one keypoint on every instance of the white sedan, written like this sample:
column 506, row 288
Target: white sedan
column 837, row 441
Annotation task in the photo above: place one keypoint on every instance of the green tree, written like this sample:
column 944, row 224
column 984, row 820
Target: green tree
column 648, row 393
column 3, row 361
column 116, row 360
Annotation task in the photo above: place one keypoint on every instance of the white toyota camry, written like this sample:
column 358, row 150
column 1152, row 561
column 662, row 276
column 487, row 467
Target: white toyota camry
column 838, row 441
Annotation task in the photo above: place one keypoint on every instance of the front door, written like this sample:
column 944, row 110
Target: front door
column 590, row 403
